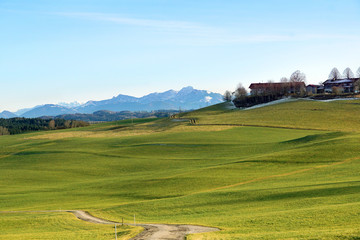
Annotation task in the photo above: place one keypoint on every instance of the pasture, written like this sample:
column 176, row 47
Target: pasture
column 286, row 171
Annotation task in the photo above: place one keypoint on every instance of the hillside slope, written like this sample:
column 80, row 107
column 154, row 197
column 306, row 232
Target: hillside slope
column 302, row 114
column 292, row 176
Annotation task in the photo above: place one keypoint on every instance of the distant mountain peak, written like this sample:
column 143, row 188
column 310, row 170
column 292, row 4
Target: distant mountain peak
column 7, row 114
column 48, row 110
column 70, row 104
column 186, row 90
column 187, row 98
column 5, row 111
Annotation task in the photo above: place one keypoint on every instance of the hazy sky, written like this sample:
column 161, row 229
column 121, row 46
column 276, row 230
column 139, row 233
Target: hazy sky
column 67, row 50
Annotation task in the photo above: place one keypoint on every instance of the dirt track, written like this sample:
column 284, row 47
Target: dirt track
column 151, row 231
column 167, row 232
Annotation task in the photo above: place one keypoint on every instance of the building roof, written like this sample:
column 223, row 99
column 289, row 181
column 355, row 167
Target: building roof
column 354, row 79
column 268, row 85
column 339, row 81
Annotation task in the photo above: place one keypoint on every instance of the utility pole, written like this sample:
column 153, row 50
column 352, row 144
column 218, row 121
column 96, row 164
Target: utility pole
column 115, row 232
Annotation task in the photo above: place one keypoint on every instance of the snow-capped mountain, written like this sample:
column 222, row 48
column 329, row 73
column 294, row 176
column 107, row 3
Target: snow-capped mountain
column 70, row 105
column 186, row 99
column 48, row 110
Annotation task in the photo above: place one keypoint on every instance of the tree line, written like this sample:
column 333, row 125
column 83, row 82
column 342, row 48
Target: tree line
column 105, row 116
column 347, row 74
column 22, row 125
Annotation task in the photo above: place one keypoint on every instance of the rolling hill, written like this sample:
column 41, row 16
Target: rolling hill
column 285, row 171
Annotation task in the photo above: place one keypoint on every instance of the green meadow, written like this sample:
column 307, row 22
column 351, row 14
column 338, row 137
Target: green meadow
column 285, row 171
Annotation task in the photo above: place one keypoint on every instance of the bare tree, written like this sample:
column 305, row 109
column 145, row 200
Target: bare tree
column 4, row 131
column 335, row 74
column 284, row 79
column 240, row 91
column 358, row 73
column 298, row 76
column 337, row 90
column 273, row 88
column 52, row 124
column 67, row 124
column 285, row 87
column 227, row 96
column 348, row 73
column 295, row 82
column 357, row 85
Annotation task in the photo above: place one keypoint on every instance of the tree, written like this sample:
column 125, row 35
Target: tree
column 240, row 91
column 335, row 74
column 348, row 73
column 227, row 96
column 52, row 124
column 284, row 79
column 67, row 124
column 357, row 85
column 285, row 85
column 358, row 73
column 337, row 90
column 4, row 131
column 296, row 80
column 298, row 76
column 273, row 88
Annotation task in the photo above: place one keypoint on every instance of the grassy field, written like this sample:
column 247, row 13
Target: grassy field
column 56, row 226
column 304, row 114
column 286, row 171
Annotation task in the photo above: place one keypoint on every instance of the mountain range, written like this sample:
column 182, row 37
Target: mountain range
column 187, row 98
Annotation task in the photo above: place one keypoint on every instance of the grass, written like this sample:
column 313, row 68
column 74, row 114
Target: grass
column 56, row 226
column 302, row 114
column 293, row 174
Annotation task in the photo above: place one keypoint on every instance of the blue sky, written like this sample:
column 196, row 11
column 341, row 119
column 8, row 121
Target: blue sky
column 67, row 50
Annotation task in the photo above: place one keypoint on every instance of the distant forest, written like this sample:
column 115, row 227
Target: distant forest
column 23, row 125
column 107, row 116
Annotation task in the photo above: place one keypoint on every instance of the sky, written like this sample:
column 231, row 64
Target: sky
column 80, row 50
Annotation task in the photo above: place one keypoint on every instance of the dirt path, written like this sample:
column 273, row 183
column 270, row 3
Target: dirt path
column 151, row 231
column 85, row 216
column 167, row 232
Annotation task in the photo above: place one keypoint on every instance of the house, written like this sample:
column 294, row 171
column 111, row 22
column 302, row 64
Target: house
column 343, row 85
column 279, row 88
column 312, row 88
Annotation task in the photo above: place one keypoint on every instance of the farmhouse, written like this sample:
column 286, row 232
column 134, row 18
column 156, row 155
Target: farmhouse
column 279, row 87
column 312, row 88
column 343, row 85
